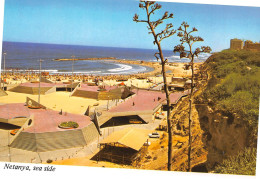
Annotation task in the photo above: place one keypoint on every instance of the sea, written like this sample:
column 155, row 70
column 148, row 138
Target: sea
column 21, row 56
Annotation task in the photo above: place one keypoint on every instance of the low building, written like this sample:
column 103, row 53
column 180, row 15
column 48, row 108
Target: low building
column 179, row 84
column 102, row 92
column 33, row 88
column 126, row 146
column 38, row 128
column 140, row 107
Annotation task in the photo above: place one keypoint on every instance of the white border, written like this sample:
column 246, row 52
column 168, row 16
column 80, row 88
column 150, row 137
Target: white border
column 1, row 29
column 89, row 172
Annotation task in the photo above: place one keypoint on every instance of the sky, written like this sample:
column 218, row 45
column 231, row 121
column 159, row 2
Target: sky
column 110, row 23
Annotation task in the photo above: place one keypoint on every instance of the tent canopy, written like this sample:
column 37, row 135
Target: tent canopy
column 130, row 137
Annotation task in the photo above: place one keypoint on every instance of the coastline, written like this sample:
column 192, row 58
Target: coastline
column 172, row 68
column 77, row 59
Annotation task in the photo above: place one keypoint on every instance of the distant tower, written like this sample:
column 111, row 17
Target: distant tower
column 236, row 44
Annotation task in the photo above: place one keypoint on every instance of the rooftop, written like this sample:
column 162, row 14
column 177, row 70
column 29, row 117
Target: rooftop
column 45, row 120
column 36, row 85
column 129, row 137
column 85, row 87
column 145, row 100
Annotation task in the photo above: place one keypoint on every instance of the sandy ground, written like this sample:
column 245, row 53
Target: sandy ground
column 55, row 101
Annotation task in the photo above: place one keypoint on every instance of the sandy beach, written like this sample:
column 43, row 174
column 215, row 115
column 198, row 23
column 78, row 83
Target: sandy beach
column 172, row 69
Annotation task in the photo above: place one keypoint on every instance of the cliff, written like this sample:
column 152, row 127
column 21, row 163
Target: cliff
column 228, row 106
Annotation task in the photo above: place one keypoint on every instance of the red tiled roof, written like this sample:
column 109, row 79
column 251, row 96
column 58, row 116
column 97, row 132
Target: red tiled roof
column 48, row 120
column 44, row 120
column 144, row 100
column 9, row 111
column 85, row 87
column 36, row 85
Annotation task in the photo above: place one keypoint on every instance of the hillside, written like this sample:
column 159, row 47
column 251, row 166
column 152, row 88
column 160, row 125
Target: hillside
column 229, row 116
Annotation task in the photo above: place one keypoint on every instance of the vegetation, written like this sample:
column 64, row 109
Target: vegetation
column 188, row 39
column 150, row 7
column 244, row 163
column 235, row 85
column 233, row 89
column 69, row 124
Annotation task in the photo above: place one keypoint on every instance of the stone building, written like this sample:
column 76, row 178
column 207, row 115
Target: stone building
column 236, row 44
column 249, row 45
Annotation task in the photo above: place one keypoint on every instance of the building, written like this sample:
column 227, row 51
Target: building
column 33, row 88
column 141, row 107
column 37, row 129
column 249, row 45
column 236, row 44
column 102, row 92
column 126, row 146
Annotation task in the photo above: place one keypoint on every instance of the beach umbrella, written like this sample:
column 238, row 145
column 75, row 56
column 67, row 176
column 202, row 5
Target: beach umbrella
column 121, row 84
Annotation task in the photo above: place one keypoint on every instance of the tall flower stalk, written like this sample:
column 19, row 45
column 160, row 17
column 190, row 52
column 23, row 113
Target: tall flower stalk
column 186, row 51
column 150, row 8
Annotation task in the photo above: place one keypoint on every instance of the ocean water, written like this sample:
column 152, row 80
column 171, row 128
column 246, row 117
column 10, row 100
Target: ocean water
column 26, row 56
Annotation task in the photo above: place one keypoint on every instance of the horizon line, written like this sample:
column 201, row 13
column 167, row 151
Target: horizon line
column 92, row 46
column 84, row 45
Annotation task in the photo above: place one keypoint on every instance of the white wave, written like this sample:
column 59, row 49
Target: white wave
column 204, row 56
column 25, row 70
column 176, row 58
column 121, row 68
column 79, row 72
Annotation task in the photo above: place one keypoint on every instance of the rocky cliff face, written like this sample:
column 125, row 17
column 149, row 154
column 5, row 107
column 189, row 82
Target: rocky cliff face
column 225, row 134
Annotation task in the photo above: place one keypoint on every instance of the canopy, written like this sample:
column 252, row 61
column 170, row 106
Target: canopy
column 130, row 137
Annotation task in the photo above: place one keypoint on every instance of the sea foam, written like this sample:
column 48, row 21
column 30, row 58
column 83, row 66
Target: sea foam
column 122, row 67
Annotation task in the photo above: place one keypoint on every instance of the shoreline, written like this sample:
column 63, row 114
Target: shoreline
column 173, row 69
column 77, row 59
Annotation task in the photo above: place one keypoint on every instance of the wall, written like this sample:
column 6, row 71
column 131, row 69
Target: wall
column 86, row 94
column 249, row 45
column 49, row 141
column 236, row 44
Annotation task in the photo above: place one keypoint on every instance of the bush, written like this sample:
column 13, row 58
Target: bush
column 243, row 164
column 70, row 124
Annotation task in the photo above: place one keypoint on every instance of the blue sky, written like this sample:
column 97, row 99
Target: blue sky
column 109, row 23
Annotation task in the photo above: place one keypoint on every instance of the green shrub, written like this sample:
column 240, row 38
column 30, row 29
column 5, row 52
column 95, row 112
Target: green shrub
column 69, row 124
column 244, row 163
